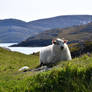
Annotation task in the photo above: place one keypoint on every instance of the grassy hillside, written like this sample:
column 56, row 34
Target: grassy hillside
column 77, row 33
column 69, row 76
column 78, row 49
column 10, row 63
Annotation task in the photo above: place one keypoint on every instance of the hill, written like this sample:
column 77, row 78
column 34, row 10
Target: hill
column 73, row 34
column 62, row 21
column 13, row 30
column 69, row 76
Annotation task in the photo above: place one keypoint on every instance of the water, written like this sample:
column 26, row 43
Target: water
column 25, row 50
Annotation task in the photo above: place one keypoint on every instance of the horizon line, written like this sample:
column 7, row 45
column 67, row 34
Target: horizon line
column 45, row 17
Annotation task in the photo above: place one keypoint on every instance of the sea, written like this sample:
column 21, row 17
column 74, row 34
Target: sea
column 24, row 50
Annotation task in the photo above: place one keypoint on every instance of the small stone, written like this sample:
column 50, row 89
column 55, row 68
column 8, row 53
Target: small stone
column 24, row 68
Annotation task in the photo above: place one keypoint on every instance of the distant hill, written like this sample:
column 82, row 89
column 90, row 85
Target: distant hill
column 73, row 34
column 13, row 30
column 62, row 21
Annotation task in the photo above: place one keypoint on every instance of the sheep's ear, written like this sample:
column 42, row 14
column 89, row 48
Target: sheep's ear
column 53, row 41
column 65, row 41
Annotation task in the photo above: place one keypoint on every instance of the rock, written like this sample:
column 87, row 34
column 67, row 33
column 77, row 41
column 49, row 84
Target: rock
column 41, row 69
column 25, row 68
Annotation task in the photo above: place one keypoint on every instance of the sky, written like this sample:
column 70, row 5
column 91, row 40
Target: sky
column 29, row 10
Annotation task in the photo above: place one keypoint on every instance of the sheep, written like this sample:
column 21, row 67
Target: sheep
column 58, row 51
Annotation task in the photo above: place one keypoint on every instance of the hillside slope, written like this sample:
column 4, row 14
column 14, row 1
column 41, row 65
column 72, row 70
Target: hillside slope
column 13, row 30
column 69, row 76
column 73, row 34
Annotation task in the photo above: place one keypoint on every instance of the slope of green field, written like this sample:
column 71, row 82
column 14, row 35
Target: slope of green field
column 69, row 76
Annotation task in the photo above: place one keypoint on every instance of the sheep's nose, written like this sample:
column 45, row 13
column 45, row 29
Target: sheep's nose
column 62, row 47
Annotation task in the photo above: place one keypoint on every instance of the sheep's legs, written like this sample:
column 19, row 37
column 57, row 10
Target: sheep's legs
column 41, row 64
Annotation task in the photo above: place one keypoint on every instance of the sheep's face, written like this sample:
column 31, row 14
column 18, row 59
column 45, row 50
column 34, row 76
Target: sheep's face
column 59, row 42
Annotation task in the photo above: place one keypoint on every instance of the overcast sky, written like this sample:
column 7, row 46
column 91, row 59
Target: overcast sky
column 28, row 10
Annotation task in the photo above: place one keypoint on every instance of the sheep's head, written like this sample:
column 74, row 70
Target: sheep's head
column 60, row 42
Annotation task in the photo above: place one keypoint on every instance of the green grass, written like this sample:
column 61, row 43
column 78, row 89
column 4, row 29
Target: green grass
column 10, row 63
column 69, row 76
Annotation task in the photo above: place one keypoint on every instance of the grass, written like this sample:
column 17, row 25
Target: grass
column 14, row 60
column 78, row 49
column 10, row 63
column 69, row 76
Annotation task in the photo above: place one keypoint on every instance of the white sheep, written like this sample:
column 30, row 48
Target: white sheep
column 58, row 51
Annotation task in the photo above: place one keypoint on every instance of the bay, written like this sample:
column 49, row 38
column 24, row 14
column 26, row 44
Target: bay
column 25, row 50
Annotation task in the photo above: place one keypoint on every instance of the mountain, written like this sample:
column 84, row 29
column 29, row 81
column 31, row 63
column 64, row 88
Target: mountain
column 73, row 34
column 62, row 21
column 14, row 30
